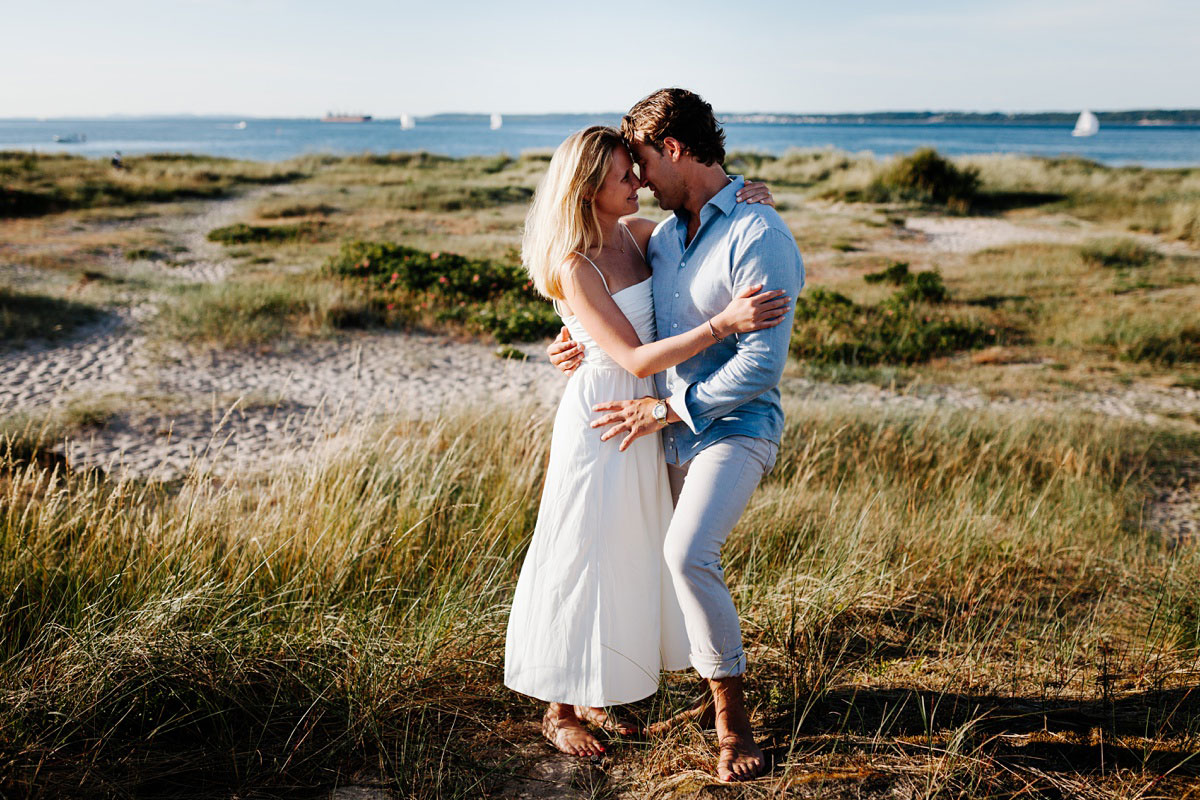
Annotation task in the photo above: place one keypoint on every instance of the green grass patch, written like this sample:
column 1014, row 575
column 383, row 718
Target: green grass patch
column 1119, row 254
column 256, row 315
column 36, row 184
column 1152, row 339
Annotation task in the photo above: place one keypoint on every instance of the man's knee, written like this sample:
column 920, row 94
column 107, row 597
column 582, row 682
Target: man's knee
column 689, row 562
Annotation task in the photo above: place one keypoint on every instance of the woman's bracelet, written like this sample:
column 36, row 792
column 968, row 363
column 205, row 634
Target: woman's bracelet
column 713, row 331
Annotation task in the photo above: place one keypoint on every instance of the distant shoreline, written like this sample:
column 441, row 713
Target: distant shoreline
column 1137, row 117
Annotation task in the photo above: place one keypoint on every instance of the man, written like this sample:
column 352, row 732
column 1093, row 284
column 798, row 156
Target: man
column 720, row 411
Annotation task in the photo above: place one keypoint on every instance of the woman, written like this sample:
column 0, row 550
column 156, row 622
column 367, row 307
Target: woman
column 594, row 617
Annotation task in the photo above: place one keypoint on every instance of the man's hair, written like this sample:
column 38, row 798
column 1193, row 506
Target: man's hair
column 681, row 115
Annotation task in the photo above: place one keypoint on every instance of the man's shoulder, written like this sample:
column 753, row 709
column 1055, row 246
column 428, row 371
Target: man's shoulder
column 757, row 219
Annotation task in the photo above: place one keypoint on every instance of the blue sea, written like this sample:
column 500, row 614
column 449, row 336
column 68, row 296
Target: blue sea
column 462, row 135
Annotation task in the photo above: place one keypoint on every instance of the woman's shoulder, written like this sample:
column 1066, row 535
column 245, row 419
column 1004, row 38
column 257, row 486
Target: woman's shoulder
column 641, row 228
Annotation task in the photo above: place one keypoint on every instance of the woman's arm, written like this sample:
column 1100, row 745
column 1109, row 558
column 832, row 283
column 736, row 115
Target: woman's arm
column 604, row 321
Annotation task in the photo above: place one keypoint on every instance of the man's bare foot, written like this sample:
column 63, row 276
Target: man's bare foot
column 563, row 729
column 605, row 721
column 740, row 759
column 701, row 712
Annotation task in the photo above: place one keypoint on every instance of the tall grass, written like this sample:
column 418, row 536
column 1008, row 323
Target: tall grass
column 35, row 184
column 279, row 633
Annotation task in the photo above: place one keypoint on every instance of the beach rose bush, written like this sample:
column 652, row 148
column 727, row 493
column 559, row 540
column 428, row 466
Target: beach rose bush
column 487, row 296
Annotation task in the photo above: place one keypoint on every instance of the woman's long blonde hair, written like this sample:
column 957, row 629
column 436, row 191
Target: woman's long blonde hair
column 562, row 218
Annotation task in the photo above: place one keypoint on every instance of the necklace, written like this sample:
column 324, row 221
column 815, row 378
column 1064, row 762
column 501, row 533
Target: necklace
column 620, row 249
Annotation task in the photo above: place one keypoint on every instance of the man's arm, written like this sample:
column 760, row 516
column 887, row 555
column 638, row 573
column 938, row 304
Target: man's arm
column 772, row 260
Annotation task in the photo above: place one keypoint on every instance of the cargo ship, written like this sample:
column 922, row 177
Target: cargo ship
column 337, row 116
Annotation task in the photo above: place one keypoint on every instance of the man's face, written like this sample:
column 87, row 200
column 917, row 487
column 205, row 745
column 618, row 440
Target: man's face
column 658, row 174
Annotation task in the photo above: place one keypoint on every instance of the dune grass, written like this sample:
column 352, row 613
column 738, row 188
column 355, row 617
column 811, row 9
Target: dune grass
column 34, row 184
column 956, row 604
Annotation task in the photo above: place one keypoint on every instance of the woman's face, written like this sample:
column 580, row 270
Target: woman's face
column 617, row 196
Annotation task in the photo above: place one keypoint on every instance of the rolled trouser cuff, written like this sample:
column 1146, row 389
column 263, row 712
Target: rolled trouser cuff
column 717, row 667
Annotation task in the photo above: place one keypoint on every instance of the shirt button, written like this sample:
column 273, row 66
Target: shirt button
column 677, row 294
column 681, row 263
column 674, row 324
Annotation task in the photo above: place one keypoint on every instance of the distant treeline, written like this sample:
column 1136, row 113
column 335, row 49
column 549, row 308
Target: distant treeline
column 1136, row 117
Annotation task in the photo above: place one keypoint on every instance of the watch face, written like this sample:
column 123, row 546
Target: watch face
column 660, row 411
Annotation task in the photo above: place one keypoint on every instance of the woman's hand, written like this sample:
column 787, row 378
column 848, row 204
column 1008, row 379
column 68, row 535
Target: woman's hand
column 565, row 353
column 752, row 310
column 755, row 192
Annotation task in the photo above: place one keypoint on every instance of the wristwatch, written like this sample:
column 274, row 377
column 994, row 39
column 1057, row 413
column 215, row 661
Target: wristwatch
column 659, row 411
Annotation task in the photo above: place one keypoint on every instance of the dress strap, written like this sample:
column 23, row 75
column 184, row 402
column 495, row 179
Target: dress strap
column 634, row 240
column 593, row 263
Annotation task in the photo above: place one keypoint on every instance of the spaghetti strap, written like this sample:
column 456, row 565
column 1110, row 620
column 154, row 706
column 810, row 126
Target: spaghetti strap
column 634, row 239
column 593, row 263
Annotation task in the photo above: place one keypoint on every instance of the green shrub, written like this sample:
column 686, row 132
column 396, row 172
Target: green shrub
column 920, row 287
column 241, row 233
column 492, row 297
column 926, row 177
column 296, row 210
column 144, row 254
column 1118, row 254
column 895, row 273
column 830, row 328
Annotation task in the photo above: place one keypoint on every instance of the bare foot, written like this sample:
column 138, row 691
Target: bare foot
column 701, row 712
column 605, row 721
column 740, row 759
column 563, row 729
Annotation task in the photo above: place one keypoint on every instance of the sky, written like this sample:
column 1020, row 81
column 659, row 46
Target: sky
column 301, row 58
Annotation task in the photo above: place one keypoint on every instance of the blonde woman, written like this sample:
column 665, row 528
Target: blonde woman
column 594, row 617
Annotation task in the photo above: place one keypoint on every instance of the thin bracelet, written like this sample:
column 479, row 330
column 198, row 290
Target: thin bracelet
column 713, row 331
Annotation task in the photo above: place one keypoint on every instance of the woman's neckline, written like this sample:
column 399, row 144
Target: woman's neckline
column 617, row 292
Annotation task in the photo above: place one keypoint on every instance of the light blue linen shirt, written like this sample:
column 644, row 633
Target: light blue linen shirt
column 732, row 388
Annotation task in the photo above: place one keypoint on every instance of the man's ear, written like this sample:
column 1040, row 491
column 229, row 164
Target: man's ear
column 673, row 148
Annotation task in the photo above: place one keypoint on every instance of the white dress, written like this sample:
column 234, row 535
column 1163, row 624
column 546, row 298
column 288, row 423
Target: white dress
column 595, row 618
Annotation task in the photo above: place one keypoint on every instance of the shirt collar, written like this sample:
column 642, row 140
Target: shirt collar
column 724, row 200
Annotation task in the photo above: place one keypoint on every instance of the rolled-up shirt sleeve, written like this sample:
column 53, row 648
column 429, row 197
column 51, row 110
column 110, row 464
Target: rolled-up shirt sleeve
column 772, row 259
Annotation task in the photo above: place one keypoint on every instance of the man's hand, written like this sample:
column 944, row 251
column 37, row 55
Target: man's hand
column 565, row 353
column 632, row 417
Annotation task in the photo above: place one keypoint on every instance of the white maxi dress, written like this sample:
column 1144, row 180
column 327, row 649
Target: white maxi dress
column 595, row 618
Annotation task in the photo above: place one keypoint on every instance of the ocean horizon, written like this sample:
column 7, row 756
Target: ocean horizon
column 458, row 135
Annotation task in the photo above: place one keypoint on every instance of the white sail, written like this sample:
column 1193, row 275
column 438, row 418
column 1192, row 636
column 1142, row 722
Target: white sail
column 240, row 126
column 407, row 122
column 1086, row 125
column 497, row 121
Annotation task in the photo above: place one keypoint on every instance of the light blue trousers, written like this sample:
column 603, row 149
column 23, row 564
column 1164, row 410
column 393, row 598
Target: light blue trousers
column 710, row 493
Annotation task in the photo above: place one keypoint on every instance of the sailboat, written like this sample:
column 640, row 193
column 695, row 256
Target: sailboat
column 1086, row 125
column 407, row 123
column 497, row 121
column 240, row 126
